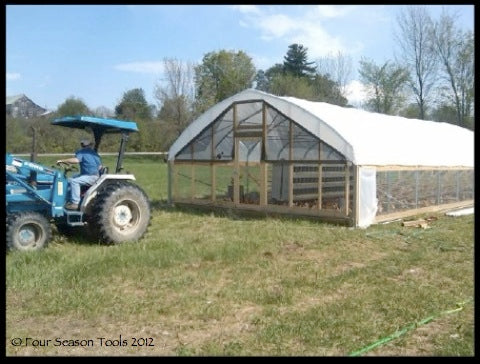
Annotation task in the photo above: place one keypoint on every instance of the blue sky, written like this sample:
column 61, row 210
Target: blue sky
column 97, row 52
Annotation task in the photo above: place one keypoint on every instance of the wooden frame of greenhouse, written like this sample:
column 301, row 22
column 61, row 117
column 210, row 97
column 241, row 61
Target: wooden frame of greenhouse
column 282, row 155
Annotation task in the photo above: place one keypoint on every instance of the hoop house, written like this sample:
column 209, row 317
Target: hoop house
column 282, row 155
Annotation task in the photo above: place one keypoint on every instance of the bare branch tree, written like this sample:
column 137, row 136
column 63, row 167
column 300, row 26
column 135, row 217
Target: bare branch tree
column 417, row 53
column 178, row 81
column 456, row 52
column 338, row 68
column 175, row 95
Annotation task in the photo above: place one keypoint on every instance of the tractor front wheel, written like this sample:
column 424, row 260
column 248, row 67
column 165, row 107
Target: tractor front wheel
column 121, row 213
column 28, row 231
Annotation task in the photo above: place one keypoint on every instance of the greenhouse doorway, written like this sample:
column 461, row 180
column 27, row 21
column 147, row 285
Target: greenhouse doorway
column 248, row 166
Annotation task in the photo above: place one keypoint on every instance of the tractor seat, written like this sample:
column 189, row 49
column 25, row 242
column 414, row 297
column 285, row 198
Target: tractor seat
column 103, row 170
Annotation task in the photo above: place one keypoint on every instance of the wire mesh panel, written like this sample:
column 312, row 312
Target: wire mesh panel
column 224, row 179
column 202, row 182
column 401, row 190
column 466, row 185
column 182, row 181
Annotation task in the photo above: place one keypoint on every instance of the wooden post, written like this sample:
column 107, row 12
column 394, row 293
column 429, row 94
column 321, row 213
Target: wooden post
column 290, row 166
column 192, row 174
column 320, row 175
column 263, row 183
column 174, row 181
column 347, row 188
column 212, row 167
column 356, row 194
column 416, row 189
column 457, row 178
column 236, row 168
column 263, row 155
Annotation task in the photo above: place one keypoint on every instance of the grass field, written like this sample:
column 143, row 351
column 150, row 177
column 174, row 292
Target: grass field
column 204, row 284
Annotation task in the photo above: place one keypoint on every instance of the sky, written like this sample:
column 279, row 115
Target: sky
column 98, row 52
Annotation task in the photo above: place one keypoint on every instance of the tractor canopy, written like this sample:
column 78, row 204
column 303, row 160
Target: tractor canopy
column 101, row 124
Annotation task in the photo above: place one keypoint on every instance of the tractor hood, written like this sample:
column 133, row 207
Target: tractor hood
column 98, row 125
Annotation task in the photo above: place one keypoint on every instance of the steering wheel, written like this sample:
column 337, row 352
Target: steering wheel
column 67, row 167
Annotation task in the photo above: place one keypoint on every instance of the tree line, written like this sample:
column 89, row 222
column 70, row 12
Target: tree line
column 431, row 77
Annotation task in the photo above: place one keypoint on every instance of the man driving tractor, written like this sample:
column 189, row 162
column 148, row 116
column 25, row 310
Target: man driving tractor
column 90, row 165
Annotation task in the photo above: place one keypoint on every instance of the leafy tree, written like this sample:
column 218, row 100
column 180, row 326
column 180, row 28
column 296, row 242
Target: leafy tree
column 385, row 85
column 290, row 85
column 133, row 106
column 261, row 81
column 264, row 79
column 326, row 90
column 296, row 78
column 17, row 140
column 296, row 63
column 444, row 113
column 221, row 75
column 73, row 106
column 103, row 112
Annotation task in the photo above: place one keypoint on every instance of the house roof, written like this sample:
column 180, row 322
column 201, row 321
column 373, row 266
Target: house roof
column 12, row 99
column 363, row 137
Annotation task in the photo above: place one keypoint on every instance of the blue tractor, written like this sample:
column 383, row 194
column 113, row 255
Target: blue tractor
column 114, row 209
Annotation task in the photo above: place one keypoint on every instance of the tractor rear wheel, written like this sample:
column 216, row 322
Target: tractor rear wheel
column 28, row 231
column 121, row 213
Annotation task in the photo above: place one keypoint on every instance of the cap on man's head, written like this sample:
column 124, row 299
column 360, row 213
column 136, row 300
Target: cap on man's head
column 85, row 142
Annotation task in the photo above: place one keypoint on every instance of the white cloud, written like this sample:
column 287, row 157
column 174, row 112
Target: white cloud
column 247, row 9
column 141, row 67
column 277, row 26
column 307, row 28
column 333, row 11
column 13, row 76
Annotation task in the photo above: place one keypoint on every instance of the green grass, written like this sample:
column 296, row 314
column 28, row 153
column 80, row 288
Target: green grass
column 205, row 284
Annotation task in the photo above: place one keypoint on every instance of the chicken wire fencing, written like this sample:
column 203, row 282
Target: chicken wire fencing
column 401, row 190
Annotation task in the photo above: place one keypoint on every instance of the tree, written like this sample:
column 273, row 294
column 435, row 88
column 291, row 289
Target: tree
column 103, row 112
column 73, row 106
column 296, row 63
column 444, row 113
column 264, row 79
column 417, row 53
column 17, row 140
column 456, row 52
column 385, row 85
column 261, row 81
column 133, row 106
column 290, row 85
column 221, row 75
column 327, row 90
column 338, row 68
column 175, row 99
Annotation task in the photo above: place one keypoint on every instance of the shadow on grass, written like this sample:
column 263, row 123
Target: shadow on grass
column 235, row 214
column 74, row 234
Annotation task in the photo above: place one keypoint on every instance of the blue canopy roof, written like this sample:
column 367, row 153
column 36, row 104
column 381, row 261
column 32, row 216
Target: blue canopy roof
column 104, row 124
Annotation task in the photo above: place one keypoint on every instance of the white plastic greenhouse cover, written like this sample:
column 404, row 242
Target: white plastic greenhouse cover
column 363, row 137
